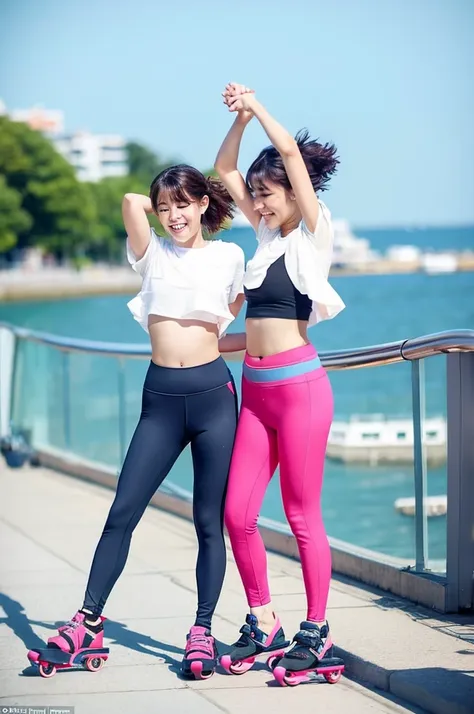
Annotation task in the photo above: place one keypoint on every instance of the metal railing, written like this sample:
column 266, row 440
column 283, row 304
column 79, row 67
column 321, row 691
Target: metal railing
column 458, row 345
column 371, row 356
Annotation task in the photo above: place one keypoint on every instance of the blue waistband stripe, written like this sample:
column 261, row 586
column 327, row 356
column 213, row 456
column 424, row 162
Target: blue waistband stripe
column 277, row 374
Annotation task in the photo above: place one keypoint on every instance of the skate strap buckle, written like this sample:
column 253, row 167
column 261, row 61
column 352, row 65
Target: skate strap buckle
column 308, row 639
column 253, row 633
column 246, row 630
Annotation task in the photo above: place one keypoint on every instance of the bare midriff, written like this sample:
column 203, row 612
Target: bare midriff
column 270, row 335
column 182, row 343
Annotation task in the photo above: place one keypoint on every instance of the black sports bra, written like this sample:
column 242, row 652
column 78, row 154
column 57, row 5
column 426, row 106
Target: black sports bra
column 277, row 296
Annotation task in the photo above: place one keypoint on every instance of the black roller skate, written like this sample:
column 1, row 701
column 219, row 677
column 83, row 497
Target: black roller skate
column 200, row 657
column 311, row 654
column 253, row 643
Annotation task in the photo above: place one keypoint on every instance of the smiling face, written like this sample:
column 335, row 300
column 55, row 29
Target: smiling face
column 180, row 216
column 180, row 198
column 276, row 205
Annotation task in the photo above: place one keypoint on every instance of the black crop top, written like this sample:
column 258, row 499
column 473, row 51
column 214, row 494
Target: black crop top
column 277, row 296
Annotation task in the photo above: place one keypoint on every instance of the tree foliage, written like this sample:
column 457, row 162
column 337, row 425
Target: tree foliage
column 144, row 163
column 13, row 219
column 43, row 204
column 58, row 212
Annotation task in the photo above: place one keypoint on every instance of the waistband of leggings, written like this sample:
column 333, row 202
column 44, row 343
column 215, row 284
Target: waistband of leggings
column 282, row 359
column 278, row 374
column 187, row 380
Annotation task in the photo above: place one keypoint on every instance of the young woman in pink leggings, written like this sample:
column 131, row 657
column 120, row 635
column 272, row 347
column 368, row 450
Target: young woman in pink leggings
column 287, row 401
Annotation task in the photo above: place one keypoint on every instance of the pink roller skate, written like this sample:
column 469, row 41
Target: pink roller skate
column 311, row 655
column 254, row 643
column 200, row 656
column 77, row 644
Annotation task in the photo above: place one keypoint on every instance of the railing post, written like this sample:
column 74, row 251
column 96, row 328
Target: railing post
column 7, row 361
column 460, row 517
column 66, row 401
column 121, row 408
column 418, row 405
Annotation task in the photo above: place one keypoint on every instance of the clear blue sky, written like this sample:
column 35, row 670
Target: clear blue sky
column 389, row 81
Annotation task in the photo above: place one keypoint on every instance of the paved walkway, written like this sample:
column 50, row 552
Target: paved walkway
column 49, row 526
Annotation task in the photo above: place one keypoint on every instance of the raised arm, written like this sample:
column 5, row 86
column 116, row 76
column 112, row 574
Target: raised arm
column 135, row 209
column 288, row 149
column 226, row 167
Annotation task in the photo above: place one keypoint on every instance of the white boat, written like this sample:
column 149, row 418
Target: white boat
column 434, row 506
column 375, row 439
column 434, row 263
column 349, row 249
column 404, row 254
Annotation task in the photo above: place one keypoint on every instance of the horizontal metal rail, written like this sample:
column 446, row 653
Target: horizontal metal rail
column 371, row 356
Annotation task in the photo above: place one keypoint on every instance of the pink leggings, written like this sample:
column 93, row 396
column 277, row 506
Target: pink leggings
column 286, row 421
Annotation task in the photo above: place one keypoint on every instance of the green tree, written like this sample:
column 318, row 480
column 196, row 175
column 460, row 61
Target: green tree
column 144, row 163
column 13, row 219
column 62, row 210
column 109, row 229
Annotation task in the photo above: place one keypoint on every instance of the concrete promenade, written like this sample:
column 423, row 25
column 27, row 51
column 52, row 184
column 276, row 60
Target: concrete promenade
column 400, row 658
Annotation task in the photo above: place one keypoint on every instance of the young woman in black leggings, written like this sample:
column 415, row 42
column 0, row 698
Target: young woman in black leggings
column 191, row 291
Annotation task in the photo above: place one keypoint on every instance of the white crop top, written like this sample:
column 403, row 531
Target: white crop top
column 187, row 283
column 307, row 259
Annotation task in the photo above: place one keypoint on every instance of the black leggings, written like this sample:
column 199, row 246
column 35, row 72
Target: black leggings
column 197, row 406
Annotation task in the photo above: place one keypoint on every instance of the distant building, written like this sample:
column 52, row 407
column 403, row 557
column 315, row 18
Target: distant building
column 94, row 156
column 48, row 121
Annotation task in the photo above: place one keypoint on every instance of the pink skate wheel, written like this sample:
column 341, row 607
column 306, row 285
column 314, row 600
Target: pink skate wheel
column 196, row 669
column 285, row 679
column 272, row 659
column 280, row 675
column 333, row 677
column 237, row 667
column 93, row 664
column 226, row 663
column 46, row 669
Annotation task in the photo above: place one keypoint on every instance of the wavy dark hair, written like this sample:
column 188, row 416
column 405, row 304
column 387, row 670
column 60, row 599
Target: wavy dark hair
column 320, row 160
column 185, row 184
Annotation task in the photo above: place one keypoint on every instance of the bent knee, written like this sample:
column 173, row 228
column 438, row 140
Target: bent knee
column 238, row 523
column 122, row 517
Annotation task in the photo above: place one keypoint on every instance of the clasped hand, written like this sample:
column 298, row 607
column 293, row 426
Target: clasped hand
column 238, row 97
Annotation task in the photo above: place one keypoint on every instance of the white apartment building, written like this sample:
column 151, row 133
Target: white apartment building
column 94, row 156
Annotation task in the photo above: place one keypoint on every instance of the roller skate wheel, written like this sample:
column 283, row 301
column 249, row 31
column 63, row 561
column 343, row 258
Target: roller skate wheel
column 271, row 661
column 196, row 669
column 284, row 679
column 237, row 667
column 333, row 677
column 46, row 669
column 241, row 666
column 93, row 664
column 206, row 675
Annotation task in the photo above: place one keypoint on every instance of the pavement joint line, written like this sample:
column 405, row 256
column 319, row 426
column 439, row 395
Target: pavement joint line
column 16, row 528
column 202, row 693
